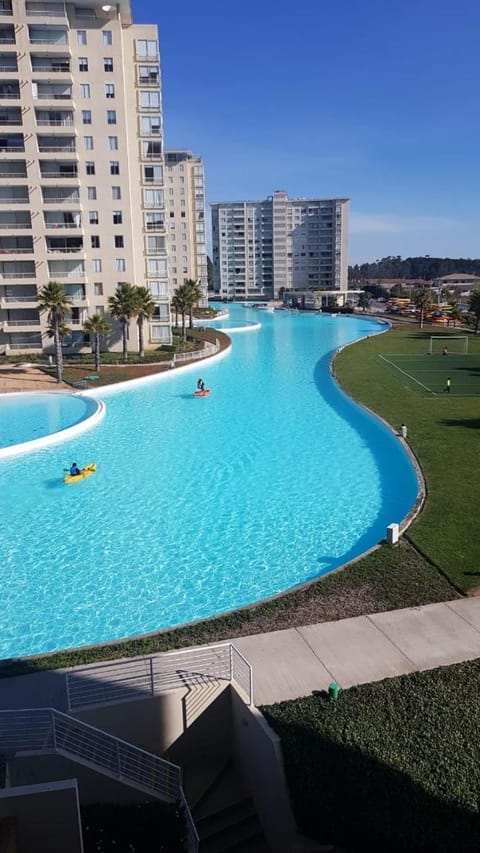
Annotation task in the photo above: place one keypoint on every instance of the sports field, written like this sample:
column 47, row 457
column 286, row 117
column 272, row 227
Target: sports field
column 427, row 374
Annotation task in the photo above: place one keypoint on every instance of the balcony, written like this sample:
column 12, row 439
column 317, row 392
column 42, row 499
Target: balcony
column 42, row 63
column 15, row 221
column 18, row 323
column 7, row 34
column 56, row 220
column 66, row 269
column 8, row 63
column 17, row 270
column 54, row 118
column 16, row 246
column 47, row 34
column 9, row 90
column 5, row 7
column 56, row 144
column 64, row 245
column 45, row 10
column 64, row 169
column 60, row 195
column 52, row 91
column 12, row 169
column 10, row 116
column 14, row 195
column 21, row 299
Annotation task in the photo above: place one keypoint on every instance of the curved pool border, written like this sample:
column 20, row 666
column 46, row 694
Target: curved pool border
column 55, row 437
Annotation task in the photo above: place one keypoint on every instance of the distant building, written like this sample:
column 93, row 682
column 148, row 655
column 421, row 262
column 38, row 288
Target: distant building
column 460, row 282
column 263, row 248
column 185, row 202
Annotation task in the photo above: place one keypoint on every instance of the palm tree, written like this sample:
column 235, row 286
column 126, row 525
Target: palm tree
column 122, row 308
column 474, row 307
column 144, row 308
column 455, row 313
column 174, row 304
column 182, row 298
column 363, row 300
column 52, row 298
column 194, row 295
column 95, row 326
column 423, row 301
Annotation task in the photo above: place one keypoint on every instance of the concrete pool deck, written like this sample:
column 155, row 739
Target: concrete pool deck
column 295, row 662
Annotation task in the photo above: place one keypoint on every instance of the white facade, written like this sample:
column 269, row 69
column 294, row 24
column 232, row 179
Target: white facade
column 81, row 177
column 185, row 217
column 261, row 248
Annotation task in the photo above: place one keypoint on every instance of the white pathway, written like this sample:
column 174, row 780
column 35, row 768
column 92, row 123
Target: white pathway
column 293, row 663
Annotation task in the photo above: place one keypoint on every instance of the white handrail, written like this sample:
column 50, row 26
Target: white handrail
column 129, row 680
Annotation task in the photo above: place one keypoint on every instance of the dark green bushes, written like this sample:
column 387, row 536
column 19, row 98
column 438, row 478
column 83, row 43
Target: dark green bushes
column 389, row 766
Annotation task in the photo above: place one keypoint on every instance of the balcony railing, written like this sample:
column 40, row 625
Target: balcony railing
column 45, row 13
column 16, row 251
column 7, row 39
column 51, row 69
column 17, row 274
column 14, row 225
column 67, row 175
column 65, row 249
column 7, row 121
column 46, row 40
column 5, row 174
column 14, row 200
column 15, row 323
column 61, row 225
column 12, row 149
column 49, row 149
column 9, row 299
column 12, row 96
column 66, row 274
column 54, row 96
column 62, row 200
column 55, row 122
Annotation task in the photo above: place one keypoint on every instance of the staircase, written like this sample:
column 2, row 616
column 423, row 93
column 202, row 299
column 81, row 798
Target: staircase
column 223, row 812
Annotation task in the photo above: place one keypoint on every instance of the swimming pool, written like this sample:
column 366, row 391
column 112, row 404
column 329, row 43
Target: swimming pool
column 199, row 505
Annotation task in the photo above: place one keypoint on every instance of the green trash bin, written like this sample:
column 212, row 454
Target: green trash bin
column 333, row 690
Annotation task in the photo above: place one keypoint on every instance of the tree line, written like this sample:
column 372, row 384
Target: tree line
column 427, row 268
column 129, row 302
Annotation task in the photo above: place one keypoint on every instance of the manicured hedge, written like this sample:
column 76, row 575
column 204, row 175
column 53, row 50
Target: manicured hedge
column 392, row 766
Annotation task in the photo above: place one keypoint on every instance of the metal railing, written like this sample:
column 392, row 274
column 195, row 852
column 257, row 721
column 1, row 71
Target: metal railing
column 18, row 274
column 13, row 250
column 67, row 175
column 47, row 731
column 58, row 122
column 208, row 350
column 8, row 299
column 148, row 676
column 16, row 149
column 64, row 199
column 7, row 324
column 64, row 149
column 49, row 69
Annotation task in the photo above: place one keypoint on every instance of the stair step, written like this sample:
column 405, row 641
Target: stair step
column 213, row 824
column 225, row 790
column 200, row 778
column 234, row 838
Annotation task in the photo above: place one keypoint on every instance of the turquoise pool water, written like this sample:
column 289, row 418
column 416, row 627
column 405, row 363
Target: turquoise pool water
column 26, row 417
column 199, row 505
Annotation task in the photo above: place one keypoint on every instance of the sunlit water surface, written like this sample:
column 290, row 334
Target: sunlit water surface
column 199, row 506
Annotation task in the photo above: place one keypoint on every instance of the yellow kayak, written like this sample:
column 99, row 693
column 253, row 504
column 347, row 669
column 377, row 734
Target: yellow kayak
column 87, row 471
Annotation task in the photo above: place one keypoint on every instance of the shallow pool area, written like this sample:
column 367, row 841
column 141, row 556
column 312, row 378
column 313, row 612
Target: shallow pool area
column 199, row 506
column 29, row 420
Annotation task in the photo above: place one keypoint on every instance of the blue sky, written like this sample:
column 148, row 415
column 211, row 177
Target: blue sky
column 369, row 99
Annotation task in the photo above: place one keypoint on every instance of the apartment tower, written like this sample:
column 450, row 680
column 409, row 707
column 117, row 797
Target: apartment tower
column 185, row 216
column 262, row 248
column 81, row 177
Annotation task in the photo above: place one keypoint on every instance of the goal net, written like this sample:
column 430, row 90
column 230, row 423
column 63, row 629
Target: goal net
column 453, row 343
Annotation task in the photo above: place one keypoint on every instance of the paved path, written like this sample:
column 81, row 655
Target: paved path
column 293, row 663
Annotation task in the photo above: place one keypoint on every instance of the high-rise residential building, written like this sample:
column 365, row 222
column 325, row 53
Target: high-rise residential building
column 81, row 174
column 262, row 248
column 185, row 217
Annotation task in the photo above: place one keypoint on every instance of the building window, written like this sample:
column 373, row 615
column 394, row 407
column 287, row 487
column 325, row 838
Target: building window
column 107, row 37
column 149, row 100
column 97, row 265
column 118, row 241
column 153, row 198
column 148, row 75
column 109, row 90
column 90, row 167
column 113, row 143
column 158, row 288
column 157, row 267
column 81, row 36
column 108, row 63
column 92, row 193
column 120, row 264
column 82, row 63
column 146, row 49
column 150, row 125
column 93, row 216
column 155, row 245
column 116, row 193
column 153, row 174
column 114, row 167
column 95, row 241
column 86, row 116
column 99, row 309
column 117, row 217
column 84, row 90
column 111, row 116
column 98, row 288
column 88, row 143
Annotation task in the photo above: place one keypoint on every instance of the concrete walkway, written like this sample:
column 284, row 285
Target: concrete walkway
column 293, row 663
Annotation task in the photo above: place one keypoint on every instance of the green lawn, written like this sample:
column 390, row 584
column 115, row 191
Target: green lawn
column 444, row 433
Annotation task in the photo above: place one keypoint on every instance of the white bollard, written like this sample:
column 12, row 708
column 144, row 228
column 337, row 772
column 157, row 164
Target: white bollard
column 393, row 532
column 403, row 431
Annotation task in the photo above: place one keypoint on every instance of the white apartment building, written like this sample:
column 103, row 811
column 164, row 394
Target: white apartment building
column 185, row 218
column 262, row 248
column 81, row 171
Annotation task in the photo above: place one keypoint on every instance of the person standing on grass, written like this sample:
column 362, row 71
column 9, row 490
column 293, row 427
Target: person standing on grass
column 446, row 390
column 445, row 351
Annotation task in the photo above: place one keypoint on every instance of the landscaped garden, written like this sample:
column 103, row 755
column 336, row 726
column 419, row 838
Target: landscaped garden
column 393, row 765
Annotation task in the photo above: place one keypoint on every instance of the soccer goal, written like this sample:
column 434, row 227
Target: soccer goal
column 454, row 343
